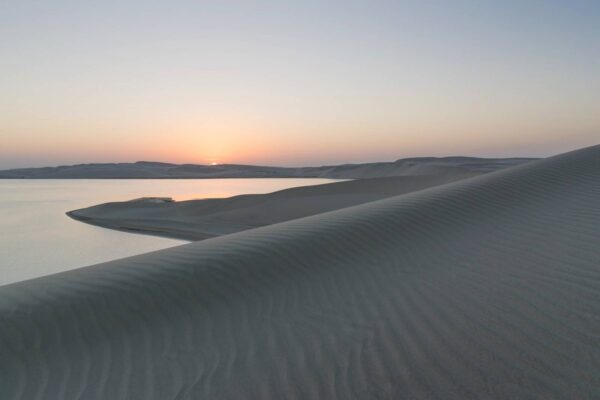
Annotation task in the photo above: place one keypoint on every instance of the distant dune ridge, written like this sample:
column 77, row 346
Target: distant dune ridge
column 485, row 288
column 157, row 170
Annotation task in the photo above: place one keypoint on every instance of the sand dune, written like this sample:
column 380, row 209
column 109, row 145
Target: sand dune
column 157, row 170
column 202, row 219
column 486, row 288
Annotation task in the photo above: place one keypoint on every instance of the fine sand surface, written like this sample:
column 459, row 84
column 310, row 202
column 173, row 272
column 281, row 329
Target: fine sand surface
column 202, row 219
column 485, row 288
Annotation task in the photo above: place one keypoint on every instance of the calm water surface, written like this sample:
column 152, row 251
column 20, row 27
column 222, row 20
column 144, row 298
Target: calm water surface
column 37, row 238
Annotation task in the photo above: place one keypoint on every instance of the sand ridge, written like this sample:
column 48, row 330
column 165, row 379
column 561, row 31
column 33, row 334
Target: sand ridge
column 487, row 287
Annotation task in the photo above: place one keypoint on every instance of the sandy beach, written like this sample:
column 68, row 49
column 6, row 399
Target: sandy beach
column 485, row 287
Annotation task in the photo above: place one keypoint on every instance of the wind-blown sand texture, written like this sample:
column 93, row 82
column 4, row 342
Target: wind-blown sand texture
column 202, row 219
column 486, row 288
column 157, row 170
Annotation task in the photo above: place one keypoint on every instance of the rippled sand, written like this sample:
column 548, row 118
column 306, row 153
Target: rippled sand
column 485, row 288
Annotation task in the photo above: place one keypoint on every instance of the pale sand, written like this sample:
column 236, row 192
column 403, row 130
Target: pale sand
column 486, row 288
column 202, row 219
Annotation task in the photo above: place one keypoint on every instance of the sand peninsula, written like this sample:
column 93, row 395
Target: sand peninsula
column 486, row 287
column 206, row 218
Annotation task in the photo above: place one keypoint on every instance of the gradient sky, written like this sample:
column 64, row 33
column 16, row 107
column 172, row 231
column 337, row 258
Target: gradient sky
column 295, row 82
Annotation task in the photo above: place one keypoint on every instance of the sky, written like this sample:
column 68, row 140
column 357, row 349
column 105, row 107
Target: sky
column 295, row 82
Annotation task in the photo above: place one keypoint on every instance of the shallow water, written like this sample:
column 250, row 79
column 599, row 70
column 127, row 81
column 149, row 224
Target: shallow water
column 37, row 238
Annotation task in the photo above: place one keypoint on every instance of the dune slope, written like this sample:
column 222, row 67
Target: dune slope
column 484, row 288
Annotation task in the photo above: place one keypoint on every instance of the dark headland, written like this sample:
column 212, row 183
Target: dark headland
column 157, row 170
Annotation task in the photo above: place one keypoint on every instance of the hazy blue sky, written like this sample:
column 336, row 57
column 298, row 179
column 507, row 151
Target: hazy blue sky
column 306, row 82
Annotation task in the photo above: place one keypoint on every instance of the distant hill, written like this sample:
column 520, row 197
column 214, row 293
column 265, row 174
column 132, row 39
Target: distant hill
column 159, row 170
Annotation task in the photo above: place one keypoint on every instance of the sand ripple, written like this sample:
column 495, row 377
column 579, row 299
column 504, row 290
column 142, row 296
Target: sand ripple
column 486, row 288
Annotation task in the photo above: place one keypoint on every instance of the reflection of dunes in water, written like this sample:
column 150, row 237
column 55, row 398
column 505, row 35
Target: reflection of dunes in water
column 484, row 288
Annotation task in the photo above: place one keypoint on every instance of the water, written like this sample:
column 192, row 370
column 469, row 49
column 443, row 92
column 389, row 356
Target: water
column 37, row 238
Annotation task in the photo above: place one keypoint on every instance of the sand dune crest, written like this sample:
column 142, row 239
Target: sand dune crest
column 484, row 288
